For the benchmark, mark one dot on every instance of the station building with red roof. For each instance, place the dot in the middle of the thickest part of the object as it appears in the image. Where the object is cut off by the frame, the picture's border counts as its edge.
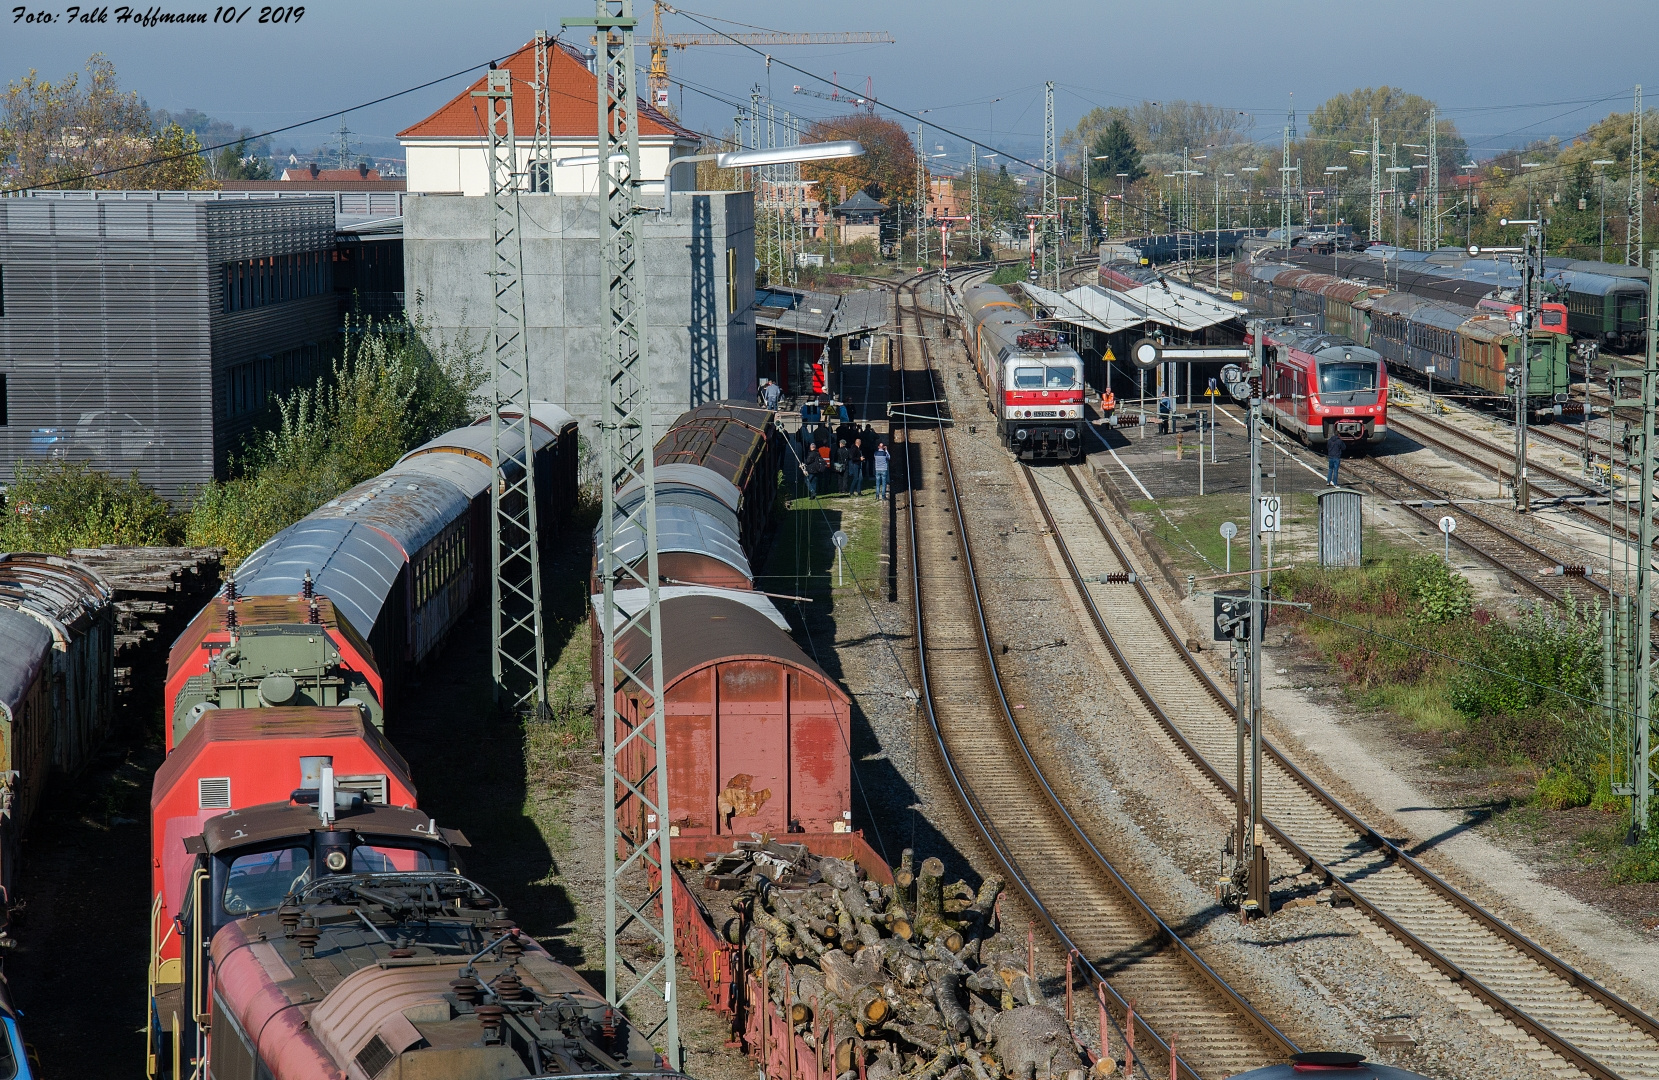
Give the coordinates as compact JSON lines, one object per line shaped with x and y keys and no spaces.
{"x":447,"y":151}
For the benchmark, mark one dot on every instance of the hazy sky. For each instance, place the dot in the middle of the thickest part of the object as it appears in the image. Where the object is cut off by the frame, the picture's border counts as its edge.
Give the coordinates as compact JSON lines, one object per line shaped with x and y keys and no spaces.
{"x":1503,"y":71}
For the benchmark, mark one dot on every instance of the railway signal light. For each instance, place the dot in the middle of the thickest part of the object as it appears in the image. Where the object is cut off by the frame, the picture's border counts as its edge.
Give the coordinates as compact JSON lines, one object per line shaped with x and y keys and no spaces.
{"x":1232,"y":615}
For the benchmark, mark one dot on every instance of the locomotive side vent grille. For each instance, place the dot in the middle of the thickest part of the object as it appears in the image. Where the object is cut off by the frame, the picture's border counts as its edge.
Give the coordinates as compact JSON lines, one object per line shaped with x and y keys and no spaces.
{"x":372,"y":786}
{"x":374,"y":1056}
{"x":213,"y":793}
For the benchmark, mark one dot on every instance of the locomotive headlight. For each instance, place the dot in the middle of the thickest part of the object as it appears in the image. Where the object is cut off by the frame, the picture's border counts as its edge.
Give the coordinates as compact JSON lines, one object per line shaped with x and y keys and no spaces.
{"x":1071,"y":433}
{"x":336,"y":860}
{"x":1022,"y":434}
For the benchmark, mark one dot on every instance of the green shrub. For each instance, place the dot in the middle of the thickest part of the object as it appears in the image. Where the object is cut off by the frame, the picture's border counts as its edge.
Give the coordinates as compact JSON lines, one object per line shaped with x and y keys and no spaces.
{"x":1561,"y":788}
{"x":57,"y":505}
{"x":389,"y":392}
{"x":1008,"y":274}
{"x":1442,"y":596}
{"x":1549,"y":655}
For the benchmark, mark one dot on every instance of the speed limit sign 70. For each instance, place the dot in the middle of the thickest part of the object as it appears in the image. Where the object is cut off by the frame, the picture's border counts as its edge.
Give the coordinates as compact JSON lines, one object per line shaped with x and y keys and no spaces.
{"x":1267,"y":514}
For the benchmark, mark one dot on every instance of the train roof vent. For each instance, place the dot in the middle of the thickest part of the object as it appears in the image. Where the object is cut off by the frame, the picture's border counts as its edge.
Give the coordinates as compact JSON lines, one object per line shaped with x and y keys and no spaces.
{"x":371,"y":786}
{"x":213,"y":792}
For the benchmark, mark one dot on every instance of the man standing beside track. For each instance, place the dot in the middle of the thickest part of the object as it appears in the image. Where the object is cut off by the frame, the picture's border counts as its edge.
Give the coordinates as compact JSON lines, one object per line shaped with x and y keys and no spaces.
{"x":1333,"y":457}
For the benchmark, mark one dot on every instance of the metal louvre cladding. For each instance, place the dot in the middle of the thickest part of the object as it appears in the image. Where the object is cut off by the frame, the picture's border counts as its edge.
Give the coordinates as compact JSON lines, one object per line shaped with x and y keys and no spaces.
{"x":115,"y":346}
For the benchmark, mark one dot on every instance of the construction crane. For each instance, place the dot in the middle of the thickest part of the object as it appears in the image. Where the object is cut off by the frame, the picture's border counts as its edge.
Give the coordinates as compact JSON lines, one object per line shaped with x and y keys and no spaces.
{"x":657,"y":76}
{"x":868,"y":101}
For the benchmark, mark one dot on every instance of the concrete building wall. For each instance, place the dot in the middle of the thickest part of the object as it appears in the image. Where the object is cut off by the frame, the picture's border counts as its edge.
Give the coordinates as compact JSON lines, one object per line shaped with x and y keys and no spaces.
{"x":698,"y":274}
{"x":114,"y":342}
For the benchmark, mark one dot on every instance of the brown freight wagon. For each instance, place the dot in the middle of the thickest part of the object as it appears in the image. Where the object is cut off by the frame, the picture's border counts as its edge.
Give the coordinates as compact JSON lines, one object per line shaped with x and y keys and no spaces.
{"x":758,"y":734}
{"x":740,"y":443}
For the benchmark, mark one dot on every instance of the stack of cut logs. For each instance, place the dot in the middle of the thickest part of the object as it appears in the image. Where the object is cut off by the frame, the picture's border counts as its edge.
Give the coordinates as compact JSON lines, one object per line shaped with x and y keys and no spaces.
{"x":158,"y":590}
{"x":909,"y":980}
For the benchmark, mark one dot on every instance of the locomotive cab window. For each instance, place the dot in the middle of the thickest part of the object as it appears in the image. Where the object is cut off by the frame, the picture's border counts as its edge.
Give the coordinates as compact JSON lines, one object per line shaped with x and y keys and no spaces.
{"x":1061,"y":378}
{"x":258,"y":882}
{"x":382,"y":859}
{"x":1347,"y":378}
{"x":1028,"y":378}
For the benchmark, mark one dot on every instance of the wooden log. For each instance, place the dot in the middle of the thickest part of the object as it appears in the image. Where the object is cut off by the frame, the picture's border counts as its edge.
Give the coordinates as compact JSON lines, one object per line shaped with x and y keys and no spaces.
{"x":1032,"y":1041}
{"x":929,"y":902}
{"x":898,"y":913}
{"x":923,"y":1037}
{"x":805,"y":939}
{"x":980,"y":1014}
{"x":872,"y":1006}
{"x":782,"y":940}
{"x":947,"y":993}
{"x":905,"y":876}
{"x":935,"y":1068}
{"x":978,"y":918}
{"x":909,"y":970}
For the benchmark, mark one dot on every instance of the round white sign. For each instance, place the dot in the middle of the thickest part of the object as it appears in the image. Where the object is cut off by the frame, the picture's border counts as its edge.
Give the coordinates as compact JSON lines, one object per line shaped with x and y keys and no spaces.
{"x":1448,"y":524}
{"x":1228,"y":530}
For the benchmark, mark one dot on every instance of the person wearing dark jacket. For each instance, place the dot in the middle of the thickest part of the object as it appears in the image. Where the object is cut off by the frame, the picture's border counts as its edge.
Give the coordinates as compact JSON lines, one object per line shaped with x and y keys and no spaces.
{"x":823,"y":436}
{"x":855,"y":468}
{"x":846,"y":433}
{"x":869,"y":437}
{"x":838,"y":461}
{"x":1333,"y":458}
{"x":813,"y":467}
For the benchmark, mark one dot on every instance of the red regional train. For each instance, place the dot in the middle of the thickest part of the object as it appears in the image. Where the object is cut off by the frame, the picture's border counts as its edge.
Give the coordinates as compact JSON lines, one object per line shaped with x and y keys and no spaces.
{"x":1319,"y":386}
{"x":1033,"y":378}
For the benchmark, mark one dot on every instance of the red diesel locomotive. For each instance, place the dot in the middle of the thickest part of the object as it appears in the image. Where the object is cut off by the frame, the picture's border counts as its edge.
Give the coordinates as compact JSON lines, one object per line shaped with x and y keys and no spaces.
{"x":1320,"y":385}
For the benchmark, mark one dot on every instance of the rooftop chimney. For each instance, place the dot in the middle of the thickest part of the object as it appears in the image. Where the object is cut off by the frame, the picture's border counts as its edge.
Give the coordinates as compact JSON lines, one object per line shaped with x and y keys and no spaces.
{"x":314,"y":170}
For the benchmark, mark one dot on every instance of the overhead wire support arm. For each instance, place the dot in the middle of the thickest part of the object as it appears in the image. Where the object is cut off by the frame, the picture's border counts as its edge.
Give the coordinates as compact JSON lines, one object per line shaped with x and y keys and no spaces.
{"x":518,"y":656}
{"x":639,"y":897}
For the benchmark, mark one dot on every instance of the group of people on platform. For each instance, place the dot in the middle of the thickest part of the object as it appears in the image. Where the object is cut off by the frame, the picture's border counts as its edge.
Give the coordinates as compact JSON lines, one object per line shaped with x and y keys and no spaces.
{"x":834,"y":454}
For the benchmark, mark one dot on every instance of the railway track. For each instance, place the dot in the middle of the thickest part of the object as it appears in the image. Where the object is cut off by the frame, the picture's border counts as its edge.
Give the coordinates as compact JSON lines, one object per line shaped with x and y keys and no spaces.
{"x":1088,"y":904}
{"x":1565,"y":1012}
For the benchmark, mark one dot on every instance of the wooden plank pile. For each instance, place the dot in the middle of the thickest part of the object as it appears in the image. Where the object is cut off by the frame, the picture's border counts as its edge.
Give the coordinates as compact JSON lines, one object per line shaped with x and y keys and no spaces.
{"x":909,"y":981}
{"x":158,"y":590}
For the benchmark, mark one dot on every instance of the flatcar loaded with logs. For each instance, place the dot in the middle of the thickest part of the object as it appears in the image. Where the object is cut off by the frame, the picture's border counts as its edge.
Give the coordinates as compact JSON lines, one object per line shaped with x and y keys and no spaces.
{"x":836,"y":963}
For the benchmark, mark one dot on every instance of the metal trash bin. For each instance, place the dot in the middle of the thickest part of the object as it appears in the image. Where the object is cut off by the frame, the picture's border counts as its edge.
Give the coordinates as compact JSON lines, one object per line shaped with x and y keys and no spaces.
{"x":1341,"y":527}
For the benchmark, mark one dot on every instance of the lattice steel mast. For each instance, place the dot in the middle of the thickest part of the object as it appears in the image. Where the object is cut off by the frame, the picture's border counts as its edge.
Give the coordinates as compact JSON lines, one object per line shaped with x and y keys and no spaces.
{"x":973,"y":200}
{"x":1634,"y":201}
{"x":1285,"y":171}
{"x":1374,"y":233}
{"x":541,"y":146}
{"x":1051,"y":195}
{"x":628,"y":440}
{"x":1434,"y":180}
{"x":921,"y":200}
{"x":518,"y":660}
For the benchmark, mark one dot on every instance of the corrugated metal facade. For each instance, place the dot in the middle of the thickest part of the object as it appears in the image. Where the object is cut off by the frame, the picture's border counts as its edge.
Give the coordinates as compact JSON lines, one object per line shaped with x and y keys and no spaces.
{"x":114,"y":342}
{"x":1341,"y":527}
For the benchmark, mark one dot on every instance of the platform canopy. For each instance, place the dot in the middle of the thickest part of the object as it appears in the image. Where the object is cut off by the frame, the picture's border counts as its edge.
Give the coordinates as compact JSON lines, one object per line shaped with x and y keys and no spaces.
{"x":819,"y":314}
{"x":1164,"y":303}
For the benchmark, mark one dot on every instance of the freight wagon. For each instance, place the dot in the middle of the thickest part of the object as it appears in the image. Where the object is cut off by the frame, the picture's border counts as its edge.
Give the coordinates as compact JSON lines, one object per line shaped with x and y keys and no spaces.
{"x":57,"y":633}
{"x":716,"y":476}
{"x":758,"y":734}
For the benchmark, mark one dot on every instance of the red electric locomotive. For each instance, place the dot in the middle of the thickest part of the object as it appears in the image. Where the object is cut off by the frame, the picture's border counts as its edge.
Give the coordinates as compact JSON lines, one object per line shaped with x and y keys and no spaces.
{"x":1321,"y":385}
